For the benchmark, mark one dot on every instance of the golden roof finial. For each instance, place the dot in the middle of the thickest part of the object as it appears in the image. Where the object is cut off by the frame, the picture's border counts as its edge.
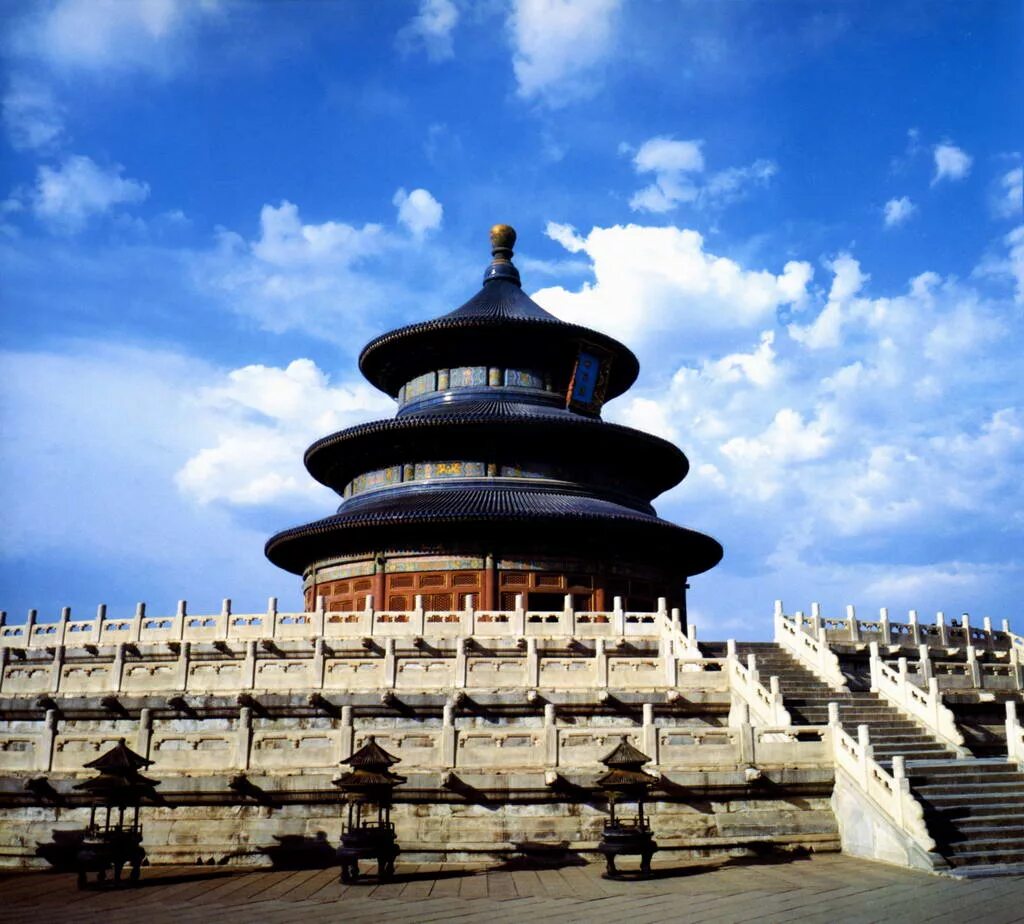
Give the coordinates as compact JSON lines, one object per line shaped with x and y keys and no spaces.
{"x":503,"y":239}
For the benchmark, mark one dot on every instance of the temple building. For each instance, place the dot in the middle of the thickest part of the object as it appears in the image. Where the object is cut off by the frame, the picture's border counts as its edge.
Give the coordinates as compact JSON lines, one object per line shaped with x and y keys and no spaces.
{"x":497,"y":606}
{"x":497,"y":477}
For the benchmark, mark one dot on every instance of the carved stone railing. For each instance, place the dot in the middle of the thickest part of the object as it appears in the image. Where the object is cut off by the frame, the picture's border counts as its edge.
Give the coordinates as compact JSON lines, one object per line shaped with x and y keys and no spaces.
{"x":925,"y":706}
{"x":188,"y":747}
{"x":764,"y":705}
{"x":227,"y":626}
{"x":913,"y":632}
{"x":810,"y":649}
{"x":888,"y":792}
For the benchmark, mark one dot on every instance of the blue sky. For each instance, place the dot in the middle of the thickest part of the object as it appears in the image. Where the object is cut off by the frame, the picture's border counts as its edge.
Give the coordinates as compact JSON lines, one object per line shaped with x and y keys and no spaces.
{"x":804,"y":217}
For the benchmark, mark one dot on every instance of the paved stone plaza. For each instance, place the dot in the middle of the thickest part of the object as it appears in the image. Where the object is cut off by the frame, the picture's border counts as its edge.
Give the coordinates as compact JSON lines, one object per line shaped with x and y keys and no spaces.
{"x":825,"y":888}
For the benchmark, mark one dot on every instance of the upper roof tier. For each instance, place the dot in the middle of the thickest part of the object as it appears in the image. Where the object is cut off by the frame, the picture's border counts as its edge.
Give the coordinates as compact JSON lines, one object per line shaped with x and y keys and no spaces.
{"x":499,"y":326}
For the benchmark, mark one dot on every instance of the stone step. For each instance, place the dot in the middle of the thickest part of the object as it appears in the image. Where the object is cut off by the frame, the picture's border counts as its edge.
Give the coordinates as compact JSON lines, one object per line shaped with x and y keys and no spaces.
{"x":987,"y":857}
{"x":954,"y":800}
{"x":987,"y":844}
{"x":969,"y":812}
{"x":986,"y":825}
{"x":965,"y":778}
{"x":967,"y":790}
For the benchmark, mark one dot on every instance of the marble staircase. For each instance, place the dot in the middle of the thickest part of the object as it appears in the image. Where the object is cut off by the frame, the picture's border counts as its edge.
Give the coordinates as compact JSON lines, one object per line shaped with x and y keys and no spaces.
{"x":974,"y":807}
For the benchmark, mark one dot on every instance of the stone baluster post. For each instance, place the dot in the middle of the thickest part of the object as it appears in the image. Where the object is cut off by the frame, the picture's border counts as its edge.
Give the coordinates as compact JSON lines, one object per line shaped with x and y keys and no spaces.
{"x":469,"y":616}
{"x":144,"y":737}
{"x":181,"y":617}
{"x":867,"y":753}
{"x":271,"y":626}
{"x":391,"y":663}
{"x":44,"y":759}
{"x":600,"y":664}
{"x":318,"y":663}
{"x":30,"y":626}
{"x":550,"y":736}
{"x":852,"y":626}
{"x":140,"y":614}
{"x":568,"y":615}
{"x":117,"y":670}
{"x":941,"y":630}
{"x":649,"y":733}
{"x":461,"y":661}
{"x":347,"y":734}
{"x":62,"y":625}
{"x":915,"y":628}
{"x":519,"y":617}
{"x":184,"y":654}
{"x":225,"y":626}
{"x":903,"y":669}
{"x":56,"y":668}
{"x":532,"y":663}
{"x":884,"y":630}
{"x":96,"y":638}
{"x":1016,"y":668}
{"x":875,"y":663}
{"x":924,"y":664}
{"x":755,"y":674}
{"x":973,"y":667}
{"x":986,"y":625}
{"x":5,"y":657}
{"x":815,"y":619}
{"x":618,"y":617}
{"x":899,"y":775}
{"x":776,"y":690}
{"x":244,"y":739}
{"x":739,"y":718}
{"x":833,"y":715}
{"x":448,"y":743}
{"x":248,"y":681}
{"x":1012,"y":730}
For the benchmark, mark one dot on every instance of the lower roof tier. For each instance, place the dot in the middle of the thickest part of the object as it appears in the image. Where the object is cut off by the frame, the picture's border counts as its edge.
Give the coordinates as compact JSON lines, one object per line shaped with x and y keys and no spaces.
{"x":501,"y":520}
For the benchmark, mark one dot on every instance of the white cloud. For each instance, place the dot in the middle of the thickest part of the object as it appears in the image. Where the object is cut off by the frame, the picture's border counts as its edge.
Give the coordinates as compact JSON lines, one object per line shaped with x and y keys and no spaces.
{"x":676,"y":166}
{"x":649,"y":280}
{"x":32,"y":116}
{"x":333,"y":280}
{"x":419,"y":211}
{"x":558,"y":46}
{"x":285,"y":241}
{"x":1009,"y":202}
{"x":897,"y":211}
{"x":431,"y":27}
{"x":263,"y":418}
{"x":102,"y":35}
{"x":951,"y":162}
{"x":824,"y":332}
{"x":68,"y":196}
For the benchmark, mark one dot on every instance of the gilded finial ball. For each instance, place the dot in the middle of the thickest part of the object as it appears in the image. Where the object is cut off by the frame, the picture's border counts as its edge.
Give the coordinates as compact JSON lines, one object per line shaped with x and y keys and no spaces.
{"x":503,"y":237}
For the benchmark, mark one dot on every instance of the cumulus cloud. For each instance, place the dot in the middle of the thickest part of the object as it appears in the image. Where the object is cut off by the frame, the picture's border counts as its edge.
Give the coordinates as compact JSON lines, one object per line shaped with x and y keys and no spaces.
{"x":263,"y":418}
{"x":431,"y":28}
{"x":677,"y":166}
{"x":110,"y":35}
{"x":419,"y":211}
{"x":648,"y":280}
{"x":32,"y":116}
{"x":897,"y":211}
{"x":951,"y":162}
{"x":559,"y":45}
{"x":1009,"y":199}
{"x":69,"y":195}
